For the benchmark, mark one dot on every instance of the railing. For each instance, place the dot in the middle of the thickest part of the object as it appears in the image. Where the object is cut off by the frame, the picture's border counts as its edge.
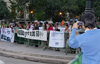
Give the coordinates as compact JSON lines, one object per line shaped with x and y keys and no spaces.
{"x":31,"y":42}
{"x":77,"y":60}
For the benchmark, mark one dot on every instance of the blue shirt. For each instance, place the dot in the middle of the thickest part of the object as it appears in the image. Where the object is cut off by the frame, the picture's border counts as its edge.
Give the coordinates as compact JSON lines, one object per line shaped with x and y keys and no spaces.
{"x":89,"y":42}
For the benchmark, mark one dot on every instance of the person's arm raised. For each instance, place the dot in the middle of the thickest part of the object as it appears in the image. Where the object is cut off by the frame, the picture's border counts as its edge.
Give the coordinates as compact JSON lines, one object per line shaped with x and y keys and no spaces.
{"x":72,"y":39}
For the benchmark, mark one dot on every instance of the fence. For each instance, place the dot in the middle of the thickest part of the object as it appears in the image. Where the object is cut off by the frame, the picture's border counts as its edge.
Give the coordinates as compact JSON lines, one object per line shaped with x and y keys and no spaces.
{"x":31,"y":42}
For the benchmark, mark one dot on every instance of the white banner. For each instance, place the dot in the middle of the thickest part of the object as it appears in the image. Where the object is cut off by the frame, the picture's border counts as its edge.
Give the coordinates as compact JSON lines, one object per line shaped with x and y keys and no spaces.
{"x":56,"y":39}
{"x":36,"y":34}
{"x":7,"y":34}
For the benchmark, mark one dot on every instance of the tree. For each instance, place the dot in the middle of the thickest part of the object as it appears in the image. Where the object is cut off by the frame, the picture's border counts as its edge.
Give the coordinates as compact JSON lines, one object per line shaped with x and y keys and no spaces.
{"x":38,"y":7}
{"x":47,"y":9}
{"x":97,"y":9}
{"x":52,"y":9}
{"x":4,"y":11}
{"x":17,"y":8}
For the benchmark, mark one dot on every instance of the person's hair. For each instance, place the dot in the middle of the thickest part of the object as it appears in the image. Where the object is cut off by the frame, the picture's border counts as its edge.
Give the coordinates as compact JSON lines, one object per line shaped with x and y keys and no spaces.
{"x":36,"y":25}
{"x":89,"y":20}
{"x":45,"y":26}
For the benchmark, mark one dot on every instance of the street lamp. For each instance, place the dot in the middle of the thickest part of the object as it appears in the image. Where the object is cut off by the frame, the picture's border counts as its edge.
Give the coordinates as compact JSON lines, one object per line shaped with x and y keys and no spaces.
{"x":31,"y":11}
{"x":89,"y":6}
{"x":60,"y":13}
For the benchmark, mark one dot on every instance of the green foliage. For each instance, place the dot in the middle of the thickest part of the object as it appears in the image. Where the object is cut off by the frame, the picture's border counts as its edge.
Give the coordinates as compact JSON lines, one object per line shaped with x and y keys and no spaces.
{"x":17,"y":7}
{"x":97,"y":8}
{"x":51,"y":8}
{"x":47,"y":9}
{"x":4,"y":11}
{"x":38,"y":7}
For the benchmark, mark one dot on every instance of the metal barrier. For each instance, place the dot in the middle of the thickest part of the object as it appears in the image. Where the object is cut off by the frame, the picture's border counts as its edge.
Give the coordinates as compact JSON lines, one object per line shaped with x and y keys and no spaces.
{"x":77,"y":60}
{"x":19,"y":39}
{"x":30,"y":42}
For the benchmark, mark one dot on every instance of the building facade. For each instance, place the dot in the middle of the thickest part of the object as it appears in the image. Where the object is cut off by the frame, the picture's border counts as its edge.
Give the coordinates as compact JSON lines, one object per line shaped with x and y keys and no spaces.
{"x":8,"y":4}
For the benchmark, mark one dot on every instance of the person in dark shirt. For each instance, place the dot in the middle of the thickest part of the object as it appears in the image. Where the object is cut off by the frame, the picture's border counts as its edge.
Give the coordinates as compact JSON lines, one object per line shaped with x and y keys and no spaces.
{"x":45,"y":26}
{"x":36,"y":26}
{"x":56,"y":29}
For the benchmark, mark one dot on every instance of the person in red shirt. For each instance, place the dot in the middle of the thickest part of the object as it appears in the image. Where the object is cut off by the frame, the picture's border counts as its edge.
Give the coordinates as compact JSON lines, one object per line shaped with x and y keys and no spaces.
{"x":66,"y":27}
{"x":50,"y":27}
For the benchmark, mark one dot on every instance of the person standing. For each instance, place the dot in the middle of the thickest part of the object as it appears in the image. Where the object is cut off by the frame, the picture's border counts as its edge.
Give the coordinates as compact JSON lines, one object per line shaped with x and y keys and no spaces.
{"x":36,"y":27}
{"x":50,"y":28}
{"x":66,"y":27}
{"x":89,"y":42}
{"x":56,"y":29}
{"x":45,"y":26}
{"x":31,"y":26}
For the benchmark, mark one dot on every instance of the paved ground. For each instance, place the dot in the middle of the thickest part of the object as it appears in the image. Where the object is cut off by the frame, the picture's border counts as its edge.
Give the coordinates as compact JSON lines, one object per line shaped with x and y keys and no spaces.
{"x":33,"y":50}
{"x":31,"y":53}
{"x":7,"y":60}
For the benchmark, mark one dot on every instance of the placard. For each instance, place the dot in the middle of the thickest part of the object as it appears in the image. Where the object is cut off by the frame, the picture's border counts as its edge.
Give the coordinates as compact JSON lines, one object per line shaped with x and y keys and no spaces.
{"x":56,"y":39}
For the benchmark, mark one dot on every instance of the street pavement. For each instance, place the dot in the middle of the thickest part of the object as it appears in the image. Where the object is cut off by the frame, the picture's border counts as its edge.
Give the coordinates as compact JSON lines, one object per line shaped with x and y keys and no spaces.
{"x":31,"y":53}
{"x":33,"y":50}
{"x":7,"y":60}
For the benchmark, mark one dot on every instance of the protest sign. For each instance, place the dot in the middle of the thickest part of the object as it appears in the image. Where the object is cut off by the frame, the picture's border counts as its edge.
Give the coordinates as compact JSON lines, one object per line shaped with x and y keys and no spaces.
{"x":36,"y":34}
{"x":56,"y":39}
{"x":7,"y":34}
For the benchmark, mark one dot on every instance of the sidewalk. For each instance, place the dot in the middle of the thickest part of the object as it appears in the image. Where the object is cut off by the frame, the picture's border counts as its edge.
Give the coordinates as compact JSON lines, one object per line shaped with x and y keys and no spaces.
{"x":32,"y":52}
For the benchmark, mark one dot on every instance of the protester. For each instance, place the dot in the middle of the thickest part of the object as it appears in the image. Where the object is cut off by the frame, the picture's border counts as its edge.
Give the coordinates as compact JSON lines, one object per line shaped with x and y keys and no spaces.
{"x":28,"y":27}
{"x":88,"y":41}
{"x":36,"y":26}
{"x":56,"y":29}
{"x":8,"y":26}
{"x":16,"y":27}
{"x":50,"y":27}
{"x":45,"y":26}
{"x":45,"y":29}
{"x":20,"y":26}
{"x":66,"y":27}
{"x":31,"y":26}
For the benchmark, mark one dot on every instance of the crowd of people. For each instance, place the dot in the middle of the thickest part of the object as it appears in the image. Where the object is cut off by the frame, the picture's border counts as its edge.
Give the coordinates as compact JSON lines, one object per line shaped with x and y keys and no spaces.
{"x":46,"y":26}
{"x":35,"y":26}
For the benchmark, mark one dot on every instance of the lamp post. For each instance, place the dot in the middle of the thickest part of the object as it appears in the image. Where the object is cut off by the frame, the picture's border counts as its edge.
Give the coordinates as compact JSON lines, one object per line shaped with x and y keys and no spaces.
{"x":31,"y":14}
{"x":60,"y":13}
{"x":89,"y":6}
